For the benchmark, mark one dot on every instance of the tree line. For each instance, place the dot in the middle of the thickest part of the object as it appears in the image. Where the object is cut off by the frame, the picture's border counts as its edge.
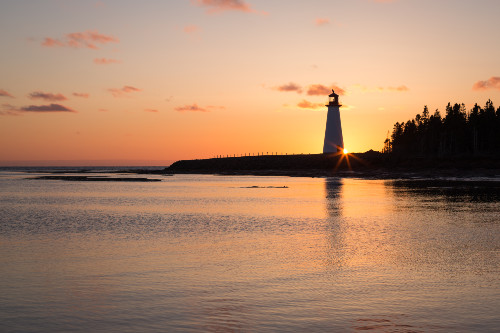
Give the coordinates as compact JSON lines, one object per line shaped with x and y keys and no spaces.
{"x":459,"y":132}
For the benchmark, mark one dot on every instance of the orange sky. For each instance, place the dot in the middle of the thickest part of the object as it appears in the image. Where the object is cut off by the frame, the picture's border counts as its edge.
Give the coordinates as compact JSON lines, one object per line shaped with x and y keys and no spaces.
{"x":151,"y":82}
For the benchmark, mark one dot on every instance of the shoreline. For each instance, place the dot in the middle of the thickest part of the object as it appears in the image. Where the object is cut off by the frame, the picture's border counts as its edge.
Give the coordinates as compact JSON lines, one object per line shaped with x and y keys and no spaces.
{"x":372,"y":174}
{"x":369,"y":165}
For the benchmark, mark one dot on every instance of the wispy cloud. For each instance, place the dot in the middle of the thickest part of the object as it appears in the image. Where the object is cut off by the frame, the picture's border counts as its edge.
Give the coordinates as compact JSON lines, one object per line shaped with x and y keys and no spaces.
{"x":311,"y":90}
{"x":12,"y":110}
{"x":309,"y":105}
{"x":106,"y":61}
{"x":217,"y":6}
{"x":119,"y":92}
{"x":401,"y":88}
{"x":87,"y":39}
{"x":82,"y":95}
{"x":492,"y":83}
{"x":289,"y":87}
{"x":50,"y":97}
{"x":8,"y":110}
{"x":51,"y":42}
{"x":99,"y":4}
{"x":3,"y":93}
{"x":217,"y":107}
{"x":46,"y":108}
{"x":321,"y":90}
{"x":192,"y":29}
{"x":150,"y":110}
{"x":191,"y":108}
{"x":321,"y":21}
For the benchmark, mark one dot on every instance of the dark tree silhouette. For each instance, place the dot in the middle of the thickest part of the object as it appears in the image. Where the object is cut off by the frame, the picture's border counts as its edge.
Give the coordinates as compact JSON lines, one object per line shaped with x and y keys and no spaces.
{"x":459,"y":132}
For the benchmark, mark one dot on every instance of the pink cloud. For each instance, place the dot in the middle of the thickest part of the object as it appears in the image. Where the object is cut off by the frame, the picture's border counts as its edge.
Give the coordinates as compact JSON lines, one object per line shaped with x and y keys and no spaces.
{"x":318,"y":89}
{"x":308,"y":105}
{"x":51,"y":42}
{"x":191,"y":29}
{"x":12,"y":110}
{"x":87,"y":39}
{"x":105,"y":61}
{"x":289,"y":87}
{"x":150,"y":110}
{"x":118,"y":92}
{"x":82,"y":95}
{"x":3,"y":93}
{"x":217,"y":6}
{"x":47,"y":96}
{"x":46,"y":108}
{"x":492,"y":83}
{"x":321,"y":90}
{"x":322,"y":21}
{"x":190,"y":108}
{"x":338,"y":90}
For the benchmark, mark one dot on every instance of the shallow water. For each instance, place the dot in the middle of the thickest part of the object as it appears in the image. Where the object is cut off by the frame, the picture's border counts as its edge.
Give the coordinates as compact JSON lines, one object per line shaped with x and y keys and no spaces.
{"x":239,"y":253}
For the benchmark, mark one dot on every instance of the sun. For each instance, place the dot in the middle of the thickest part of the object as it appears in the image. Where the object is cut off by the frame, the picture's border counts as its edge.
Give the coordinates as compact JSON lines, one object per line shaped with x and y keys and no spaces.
{"x":345,"y":151}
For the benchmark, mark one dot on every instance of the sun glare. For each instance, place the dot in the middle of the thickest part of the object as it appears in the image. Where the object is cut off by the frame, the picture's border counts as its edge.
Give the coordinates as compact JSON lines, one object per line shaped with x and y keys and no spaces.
{"x":346,"y":151}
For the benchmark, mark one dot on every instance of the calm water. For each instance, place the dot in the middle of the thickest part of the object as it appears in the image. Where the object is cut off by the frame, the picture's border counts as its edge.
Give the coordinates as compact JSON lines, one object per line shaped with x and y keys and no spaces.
{"x":216,"y":254}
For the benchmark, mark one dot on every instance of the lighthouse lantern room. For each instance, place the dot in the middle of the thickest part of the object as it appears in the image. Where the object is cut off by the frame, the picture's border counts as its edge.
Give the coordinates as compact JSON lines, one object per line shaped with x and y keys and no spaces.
{"x":333,"y":99}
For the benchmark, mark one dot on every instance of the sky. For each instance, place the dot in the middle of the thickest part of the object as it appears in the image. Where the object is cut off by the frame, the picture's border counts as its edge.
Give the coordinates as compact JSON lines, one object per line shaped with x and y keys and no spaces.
{"x":151,"y":82}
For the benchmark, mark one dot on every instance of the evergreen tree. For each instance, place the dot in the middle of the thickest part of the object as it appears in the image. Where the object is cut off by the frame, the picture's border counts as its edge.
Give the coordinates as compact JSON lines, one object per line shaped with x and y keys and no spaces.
{"x":458,"y":133}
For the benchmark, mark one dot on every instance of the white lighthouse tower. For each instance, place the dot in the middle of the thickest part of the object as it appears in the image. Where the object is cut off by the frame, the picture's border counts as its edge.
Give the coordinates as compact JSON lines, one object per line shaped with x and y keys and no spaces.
{"x":333,"y":133}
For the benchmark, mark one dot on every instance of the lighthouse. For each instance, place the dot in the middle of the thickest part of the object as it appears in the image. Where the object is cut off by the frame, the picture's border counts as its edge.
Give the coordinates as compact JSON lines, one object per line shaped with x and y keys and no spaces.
{"x":333,"y":133}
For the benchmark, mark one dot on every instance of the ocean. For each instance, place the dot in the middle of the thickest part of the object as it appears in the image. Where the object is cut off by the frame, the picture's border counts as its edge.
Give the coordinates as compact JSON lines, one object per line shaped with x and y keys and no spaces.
{"x":207,"y":253}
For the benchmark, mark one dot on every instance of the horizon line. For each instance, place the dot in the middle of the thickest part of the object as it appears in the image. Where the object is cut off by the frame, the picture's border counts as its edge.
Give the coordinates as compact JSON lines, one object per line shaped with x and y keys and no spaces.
{"x":84,"y":163}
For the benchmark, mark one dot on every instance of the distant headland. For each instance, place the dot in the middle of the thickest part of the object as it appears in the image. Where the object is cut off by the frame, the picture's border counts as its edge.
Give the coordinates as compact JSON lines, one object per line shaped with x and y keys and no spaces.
{"x":370,"y":164}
